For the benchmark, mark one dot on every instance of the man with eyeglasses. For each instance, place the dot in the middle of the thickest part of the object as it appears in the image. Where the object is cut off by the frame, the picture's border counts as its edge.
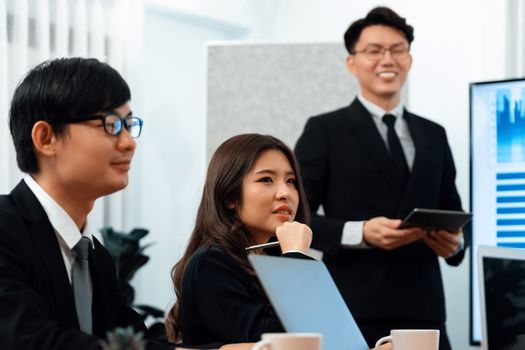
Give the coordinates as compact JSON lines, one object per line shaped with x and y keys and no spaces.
{"x":74,"y":135}
{"x":368,"y":165}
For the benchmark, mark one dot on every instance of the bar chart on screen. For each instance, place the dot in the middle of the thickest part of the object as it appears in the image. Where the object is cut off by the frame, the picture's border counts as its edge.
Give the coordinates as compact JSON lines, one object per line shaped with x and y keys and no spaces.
{"x":497,"y":121}
{"x":510,"y":185}
{"x":510,"y":124}
{"x":510,"y":209}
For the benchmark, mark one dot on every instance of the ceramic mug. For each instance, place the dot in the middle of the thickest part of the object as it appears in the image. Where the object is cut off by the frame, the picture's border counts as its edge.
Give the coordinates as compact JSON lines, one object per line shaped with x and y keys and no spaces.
{"x":289,"y":341}
{"x":412,"y":339}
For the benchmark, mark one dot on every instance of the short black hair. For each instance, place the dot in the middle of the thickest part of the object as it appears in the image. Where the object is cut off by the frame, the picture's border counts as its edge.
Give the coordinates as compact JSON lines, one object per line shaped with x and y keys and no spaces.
{"x":63,"y":88}
{"x":377,"y":16}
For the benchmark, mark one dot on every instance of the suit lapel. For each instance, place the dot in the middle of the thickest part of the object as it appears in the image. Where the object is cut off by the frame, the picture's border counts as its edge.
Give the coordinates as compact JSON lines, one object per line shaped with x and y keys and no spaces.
{"x":366,"y":130}
{"x":44,"y":238}
{"x":103,"y":319}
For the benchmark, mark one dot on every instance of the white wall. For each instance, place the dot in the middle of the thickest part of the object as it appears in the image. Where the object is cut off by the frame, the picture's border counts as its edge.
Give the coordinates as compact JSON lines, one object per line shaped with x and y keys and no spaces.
{"x":456,"y":42}
{"x":169,"y":171}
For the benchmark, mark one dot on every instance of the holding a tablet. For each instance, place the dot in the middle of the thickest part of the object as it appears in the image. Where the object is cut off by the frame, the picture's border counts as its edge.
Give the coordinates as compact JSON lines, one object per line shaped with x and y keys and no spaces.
{"x":368,"y":165}
{"x":435,"y":219}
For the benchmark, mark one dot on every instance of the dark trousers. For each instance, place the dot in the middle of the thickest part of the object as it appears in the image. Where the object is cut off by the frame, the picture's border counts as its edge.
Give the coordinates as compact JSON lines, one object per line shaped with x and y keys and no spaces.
{"x":374,"y":329}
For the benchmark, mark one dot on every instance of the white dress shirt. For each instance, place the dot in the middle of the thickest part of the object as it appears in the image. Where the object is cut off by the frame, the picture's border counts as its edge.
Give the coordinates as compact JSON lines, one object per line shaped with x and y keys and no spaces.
{"x":66,"y":230}
{"x":353,"y":230}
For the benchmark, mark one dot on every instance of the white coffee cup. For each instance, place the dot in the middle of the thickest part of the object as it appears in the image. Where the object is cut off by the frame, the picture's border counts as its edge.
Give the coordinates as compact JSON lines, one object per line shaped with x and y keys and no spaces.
{"x":412,"y":339}
{"x":290,"y":341}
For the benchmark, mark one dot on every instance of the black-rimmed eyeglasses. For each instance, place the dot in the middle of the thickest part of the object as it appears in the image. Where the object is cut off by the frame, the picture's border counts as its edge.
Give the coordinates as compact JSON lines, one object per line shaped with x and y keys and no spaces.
{"x":112,"y":123}
{"x":375,"y":52}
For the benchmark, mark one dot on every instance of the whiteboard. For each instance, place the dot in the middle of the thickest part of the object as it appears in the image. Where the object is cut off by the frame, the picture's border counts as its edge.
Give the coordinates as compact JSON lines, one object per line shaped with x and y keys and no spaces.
{"x":273,"y":88}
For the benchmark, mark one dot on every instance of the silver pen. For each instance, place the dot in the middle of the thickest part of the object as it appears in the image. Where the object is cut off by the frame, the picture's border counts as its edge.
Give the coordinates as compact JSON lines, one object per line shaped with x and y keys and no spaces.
{"x":263,"y":246}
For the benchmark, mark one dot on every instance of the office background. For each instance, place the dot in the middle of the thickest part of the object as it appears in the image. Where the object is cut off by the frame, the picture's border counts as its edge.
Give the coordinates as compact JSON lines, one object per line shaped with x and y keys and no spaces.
{"x":272,"y":88}
{"x":160,"y":47}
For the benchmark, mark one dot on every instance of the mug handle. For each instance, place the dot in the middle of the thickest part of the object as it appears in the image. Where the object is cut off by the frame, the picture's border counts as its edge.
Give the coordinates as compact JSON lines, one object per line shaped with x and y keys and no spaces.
{"x":382,"y":341}
{"x":263,"y":344}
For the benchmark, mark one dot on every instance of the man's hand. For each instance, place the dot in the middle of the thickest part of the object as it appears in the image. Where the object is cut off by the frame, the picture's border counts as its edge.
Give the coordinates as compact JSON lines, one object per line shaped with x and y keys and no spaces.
{"x":384,"y":233}
{"x":443,"y":243}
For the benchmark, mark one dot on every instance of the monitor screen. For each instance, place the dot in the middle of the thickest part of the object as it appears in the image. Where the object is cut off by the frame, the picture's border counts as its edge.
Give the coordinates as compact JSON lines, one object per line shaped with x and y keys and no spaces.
{"x":497,"y":130}
{"x":502,"y":286}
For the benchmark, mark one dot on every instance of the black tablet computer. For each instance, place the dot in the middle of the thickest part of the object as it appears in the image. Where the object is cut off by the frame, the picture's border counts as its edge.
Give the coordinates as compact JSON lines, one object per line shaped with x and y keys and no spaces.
{"x":448,"y":220}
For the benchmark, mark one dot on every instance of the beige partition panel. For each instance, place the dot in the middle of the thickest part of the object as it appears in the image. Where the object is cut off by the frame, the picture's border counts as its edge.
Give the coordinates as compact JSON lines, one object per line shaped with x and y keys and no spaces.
{"x":273,"y":88}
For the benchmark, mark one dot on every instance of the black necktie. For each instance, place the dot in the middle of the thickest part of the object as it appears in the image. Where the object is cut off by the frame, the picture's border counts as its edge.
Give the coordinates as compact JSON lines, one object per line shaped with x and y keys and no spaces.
{"x":396,"y":151}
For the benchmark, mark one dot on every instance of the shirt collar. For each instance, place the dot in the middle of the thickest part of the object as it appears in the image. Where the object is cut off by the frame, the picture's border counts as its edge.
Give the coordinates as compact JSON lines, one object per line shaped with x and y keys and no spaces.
{"x":64,"y":226}
{"x":379,"y":112}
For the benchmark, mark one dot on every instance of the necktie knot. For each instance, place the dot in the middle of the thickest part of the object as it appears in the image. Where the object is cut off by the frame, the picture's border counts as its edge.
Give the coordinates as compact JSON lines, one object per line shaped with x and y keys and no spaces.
{"x":82,"y":248}
{"x":389,"y":120}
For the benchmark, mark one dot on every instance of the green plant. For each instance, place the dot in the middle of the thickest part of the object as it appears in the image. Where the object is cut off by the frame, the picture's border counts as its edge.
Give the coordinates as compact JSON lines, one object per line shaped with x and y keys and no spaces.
{"x":123,"y":339}
{"x":128,"y":256}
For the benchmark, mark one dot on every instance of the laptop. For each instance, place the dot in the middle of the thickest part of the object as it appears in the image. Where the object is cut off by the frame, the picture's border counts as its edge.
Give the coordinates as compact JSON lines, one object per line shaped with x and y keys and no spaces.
{"x":306,"y":299}
{"x":502,"y":298}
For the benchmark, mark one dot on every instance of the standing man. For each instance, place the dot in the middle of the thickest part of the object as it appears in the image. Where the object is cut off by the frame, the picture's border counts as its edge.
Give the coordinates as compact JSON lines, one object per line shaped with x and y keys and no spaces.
{"x":368,"y":165}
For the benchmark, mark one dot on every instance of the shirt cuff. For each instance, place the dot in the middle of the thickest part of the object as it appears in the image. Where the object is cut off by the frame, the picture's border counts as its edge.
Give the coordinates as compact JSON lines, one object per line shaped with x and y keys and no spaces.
{"x":353,"y":235}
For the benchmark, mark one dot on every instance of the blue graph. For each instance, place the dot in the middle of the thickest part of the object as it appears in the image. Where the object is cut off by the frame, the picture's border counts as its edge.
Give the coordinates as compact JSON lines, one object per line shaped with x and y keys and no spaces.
{"x":510,"y":209}
{"x":510,"y":126}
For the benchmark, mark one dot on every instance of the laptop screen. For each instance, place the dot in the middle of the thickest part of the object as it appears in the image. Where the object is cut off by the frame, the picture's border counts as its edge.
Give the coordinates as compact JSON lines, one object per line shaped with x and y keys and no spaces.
{"x":306,"y":299}
{"x":503,"y":298}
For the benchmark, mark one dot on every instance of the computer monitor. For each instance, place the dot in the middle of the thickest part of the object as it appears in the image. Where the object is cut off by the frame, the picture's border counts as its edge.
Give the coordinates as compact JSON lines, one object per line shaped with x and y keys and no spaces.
{"x":502,"y":297}
{"x":497,"y":147}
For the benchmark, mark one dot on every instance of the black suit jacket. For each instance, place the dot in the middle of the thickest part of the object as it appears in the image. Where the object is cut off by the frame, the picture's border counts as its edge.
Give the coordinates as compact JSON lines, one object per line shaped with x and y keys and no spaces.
{"x":346,"y":168}
{"x":220,"y":303}
{"x":37,"y":307}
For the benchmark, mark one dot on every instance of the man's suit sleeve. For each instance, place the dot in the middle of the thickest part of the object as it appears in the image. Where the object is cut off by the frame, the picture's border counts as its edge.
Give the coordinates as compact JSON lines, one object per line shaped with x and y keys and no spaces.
{"x":313,"y":153}
{"x":125,"y":314}
{"x":24,"y":321}
{"x":449,"y":199}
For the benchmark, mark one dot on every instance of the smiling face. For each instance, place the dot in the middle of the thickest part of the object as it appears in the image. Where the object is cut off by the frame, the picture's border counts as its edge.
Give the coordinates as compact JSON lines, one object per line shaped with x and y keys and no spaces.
{"x":380,"y":80}
{"x":269,"y":195}
{"x":90,"y":162}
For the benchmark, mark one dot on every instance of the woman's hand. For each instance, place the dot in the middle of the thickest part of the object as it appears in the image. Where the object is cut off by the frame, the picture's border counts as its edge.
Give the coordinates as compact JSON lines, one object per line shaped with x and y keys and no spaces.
{"x":294,"y":236}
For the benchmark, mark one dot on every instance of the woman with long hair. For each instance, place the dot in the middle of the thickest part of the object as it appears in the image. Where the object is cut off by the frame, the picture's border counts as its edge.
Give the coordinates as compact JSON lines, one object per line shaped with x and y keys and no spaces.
{"x":252,"y":193}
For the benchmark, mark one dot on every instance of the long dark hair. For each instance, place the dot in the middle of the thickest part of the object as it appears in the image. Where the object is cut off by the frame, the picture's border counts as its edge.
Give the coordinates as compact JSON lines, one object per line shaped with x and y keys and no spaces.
{"x":215,"y":223}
